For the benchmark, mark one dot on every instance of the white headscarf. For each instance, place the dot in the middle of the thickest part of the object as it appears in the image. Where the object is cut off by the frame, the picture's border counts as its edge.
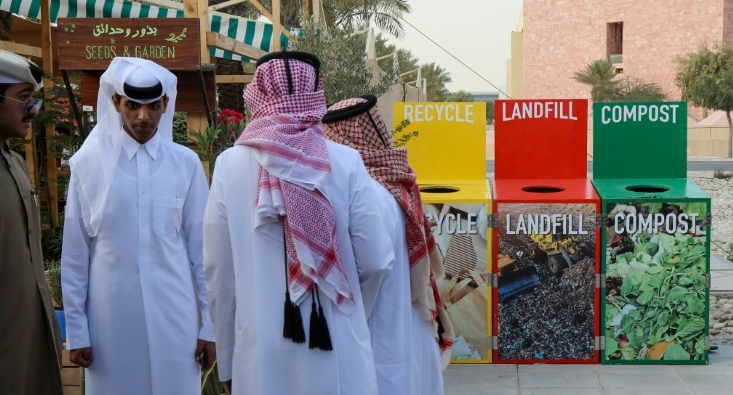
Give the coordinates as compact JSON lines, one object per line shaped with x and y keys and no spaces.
{"x":94,"y":164}
{"x":15,"y":69}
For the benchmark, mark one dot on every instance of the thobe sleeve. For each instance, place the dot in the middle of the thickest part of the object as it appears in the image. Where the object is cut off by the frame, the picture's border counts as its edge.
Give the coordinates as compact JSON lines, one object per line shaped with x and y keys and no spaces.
{"x":220,"y":281}
{"x":193,"y":229}
{"x":75,"y":271}
{"x":373,"y":249}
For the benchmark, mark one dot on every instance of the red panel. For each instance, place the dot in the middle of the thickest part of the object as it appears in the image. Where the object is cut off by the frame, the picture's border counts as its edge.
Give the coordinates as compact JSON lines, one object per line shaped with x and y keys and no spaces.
{"x":541,"y":139}
{"x":571,"y":190}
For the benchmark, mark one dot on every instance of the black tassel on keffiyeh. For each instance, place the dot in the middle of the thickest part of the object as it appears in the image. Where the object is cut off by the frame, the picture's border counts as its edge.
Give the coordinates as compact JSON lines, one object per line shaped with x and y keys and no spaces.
{"x":320,"y":337}
{"x":292,"y":321}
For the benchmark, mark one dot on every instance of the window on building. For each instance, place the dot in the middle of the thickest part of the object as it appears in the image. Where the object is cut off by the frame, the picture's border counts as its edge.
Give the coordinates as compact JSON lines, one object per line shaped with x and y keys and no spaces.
{"x":615,"y":42}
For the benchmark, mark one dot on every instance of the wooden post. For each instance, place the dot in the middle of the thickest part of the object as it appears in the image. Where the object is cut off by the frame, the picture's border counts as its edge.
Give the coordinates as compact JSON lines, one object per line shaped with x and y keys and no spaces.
{"x":275,"y":25}
{"x":47,"y":49}
{"x":308,"y":7}
{"x":199,"y":9}
{"x":30,"y":156}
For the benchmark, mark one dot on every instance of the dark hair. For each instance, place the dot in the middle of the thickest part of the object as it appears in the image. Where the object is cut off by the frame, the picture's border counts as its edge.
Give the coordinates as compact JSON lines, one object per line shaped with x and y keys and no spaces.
{"x":3,"y":89}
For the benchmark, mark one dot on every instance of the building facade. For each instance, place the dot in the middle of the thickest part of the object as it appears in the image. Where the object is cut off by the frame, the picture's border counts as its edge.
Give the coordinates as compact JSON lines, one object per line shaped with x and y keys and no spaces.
{"x":643,"y":39}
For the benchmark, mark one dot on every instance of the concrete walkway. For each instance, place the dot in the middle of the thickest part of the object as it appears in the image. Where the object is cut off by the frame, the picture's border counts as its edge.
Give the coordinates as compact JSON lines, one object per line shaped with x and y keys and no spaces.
{"x":713,"y":379}
{"x":721,"y":275}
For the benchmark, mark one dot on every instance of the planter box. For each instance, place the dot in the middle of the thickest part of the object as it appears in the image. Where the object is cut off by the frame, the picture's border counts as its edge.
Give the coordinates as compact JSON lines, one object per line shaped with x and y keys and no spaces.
{"x":70,"y":376}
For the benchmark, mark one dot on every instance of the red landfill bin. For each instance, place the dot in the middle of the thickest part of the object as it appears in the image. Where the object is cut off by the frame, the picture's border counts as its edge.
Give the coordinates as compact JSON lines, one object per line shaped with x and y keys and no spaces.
{"x":546,"y":241}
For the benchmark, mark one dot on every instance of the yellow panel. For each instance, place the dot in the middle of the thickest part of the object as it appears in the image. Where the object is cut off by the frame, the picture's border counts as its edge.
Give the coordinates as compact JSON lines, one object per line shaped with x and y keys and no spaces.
{"x":450,"y":143}
{"x":461,"y":232}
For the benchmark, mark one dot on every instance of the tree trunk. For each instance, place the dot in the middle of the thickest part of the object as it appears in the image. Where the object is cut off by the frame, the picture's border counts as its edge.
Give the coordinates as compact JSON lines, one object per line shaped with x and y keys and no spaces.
{"x":730,"y":135}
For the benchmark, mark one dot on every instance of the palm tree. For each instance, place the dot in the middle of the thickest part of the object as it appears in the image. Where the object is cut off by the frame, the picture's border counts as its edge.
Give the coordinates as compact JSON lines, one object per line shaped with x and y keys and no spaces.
{"x":596,"y":73}
{"x":387,"y":15}
{"x":437,"y":79}
{"x":599,"y":75}
{"x":347,"y":14}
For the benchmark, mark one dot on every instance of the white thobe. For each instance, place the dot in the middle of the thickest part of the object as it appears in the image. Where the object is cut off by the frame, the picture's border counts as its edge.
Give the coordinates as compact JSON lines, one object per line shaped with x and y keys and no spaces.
{"x":406,"y":354}
{"x":245,"y":273}
{"x":134,"y":291}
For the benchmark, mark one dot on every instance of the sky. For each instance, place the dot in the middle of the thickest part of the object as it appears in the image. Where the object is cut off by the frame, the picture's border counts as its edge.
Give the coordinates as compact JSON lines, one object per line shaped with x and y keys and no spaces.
{"x":478,"y":32}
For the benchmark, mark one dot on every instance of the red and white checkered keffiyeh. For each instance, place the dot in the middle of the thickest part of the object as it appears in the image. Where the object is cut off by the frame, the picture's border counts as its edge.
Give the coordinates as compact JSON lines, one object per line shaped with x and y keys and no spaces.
{"x":286,"y":129}
{"x":390,"y":168}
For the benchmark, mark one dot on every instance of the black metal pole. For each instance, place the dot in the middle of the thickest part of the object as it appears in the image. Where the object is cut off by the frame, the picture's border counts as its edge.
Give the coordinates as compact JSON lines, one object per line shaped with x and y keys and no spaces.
{"x":79,"y":119}
{"x":209,"y":117}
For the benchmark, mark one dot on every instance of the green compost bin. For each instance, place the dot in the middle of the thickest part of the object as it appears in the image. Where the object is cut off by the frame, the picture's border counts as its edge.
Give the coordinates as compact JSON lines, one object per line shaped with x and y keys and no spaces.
{"x":655,"y":261}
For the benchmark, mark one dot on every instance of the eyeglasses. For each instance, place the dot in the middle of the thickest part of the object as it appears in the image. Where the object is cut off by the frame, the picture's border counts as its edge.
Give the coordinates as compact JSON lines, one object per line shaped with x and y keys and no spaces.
{"x":30,"y":104}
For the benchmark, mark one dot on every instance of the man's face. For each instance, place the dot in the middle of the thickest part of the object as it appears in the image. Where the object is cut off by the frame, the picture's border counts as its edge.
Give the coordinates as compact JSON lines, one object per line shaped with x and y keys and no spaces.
{"x":140,"y":121}
{"x":14,"y":122}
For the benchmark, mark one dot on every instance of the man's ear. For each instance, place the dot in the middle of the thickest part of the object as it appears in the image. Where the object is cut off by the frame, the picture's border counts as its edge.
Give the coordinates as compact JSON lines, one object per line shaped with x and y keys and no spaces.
{"x":116,"y":103}
{"x":165,"y":102}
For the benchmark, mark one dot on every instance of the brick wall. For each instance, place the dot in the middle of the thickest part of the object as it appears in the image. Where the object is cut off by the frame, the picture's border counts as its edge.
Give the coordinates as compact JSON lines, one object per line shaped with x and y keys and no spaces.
{"x":563,"y":36}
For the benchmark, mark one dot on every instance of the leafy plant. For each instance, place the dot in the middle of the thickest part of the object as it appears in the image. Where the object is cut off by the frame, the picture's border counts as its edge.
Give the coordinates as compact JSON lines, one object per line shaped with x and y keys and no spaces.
{"x":180,"y":127}
{"x":400,"y":136}
{"x":217,"y":137}
{"x":344,"y":71}
{"x":659,"y":309}
{"x":53,"y":276}
{"x":723,"y":175}
{"x":705,"y":79}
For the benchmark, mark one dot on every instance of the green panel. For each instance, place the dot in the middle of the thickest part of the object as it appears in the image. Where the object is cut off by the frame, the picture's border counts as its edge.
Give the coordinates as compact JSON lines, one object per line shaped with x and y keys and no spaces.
{"x":666,"y":189}
{"x":655,"y":301}
{"x":640,"y":140}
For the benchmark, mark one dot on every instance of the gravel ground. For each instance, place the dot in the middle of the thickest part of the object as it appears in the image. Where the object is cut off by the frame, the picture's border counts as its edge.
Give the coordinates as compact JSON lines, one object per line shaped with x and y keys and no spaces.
{"x":721,"y":305}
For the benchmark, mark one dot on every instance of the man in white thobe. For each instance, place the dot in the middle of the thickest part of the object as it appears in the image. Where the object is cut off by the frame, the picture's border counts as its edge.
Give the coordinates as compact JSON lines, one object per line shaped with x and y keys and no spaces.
{"x":132,"y":258}
{"x":409,"y":326}
{"x":283,"y":187}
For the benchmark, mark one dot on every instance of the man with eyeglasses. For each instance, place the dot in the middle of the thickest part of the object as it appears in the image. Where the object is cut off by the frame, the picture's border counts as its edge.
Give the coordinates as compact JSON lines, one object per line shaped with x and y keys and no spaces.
{"x":30,"y":344}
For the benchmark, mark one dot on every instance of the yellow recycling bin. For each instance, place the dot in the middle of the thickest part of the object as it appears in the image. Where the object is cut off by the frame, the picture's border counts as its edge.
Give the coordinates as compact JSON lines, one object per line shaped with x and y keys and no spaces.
{"x":446,"y":145}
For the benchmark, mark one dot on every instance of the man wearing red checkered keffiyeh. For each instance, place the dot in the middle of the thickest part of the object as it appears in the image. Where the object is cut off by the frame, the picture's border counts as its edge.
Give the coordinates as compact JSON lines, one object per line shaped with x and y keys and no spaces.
{"x":357,"y":123}
{"x":288,"y":207}
{"x":287,"y":103}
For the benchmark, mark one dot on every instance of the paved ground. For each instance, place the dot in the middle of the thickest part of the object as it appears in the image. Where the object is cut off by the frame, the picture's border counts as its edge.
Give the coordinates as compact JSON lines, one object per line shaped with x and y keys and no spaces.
{"x":713,"y":379}
{"x":721,"y":275}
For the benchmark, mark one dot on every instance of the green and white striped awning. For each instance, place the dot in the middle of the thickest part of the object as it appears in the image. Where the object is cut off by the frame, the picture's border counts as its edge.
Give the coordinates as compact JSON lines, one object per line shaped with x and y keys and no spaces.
{"x":254,"y":33}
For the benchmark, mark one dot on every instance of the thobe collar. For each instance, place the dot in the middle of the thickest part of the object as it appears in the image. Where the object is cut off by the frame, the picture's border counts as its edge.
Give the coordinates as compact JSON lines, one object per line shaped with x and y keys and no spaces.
{"x":131,"y":146}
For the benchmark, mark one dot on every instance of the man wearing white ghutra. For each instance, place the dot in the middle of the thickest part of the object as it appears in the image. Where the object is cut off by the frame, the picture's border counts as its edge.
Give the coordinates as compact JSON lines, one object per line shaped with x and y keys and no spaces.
{"x":132,"y":262}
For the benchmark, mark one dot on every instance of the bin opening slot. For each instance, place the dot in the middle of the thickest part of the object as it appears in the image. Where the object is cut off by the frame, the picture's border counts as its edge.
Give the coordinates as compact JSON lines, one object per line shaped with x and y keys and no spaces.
{"x":439,"y":189}
{"x":647,"y":188}
{"x":542,"y":189}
